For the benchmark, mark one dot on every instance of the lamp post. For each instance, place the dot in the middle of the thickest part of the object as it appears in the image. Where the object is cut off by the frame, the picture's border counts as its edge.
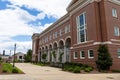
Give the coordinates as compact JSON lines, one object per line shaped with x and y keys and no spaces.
{"x":14,"y":55}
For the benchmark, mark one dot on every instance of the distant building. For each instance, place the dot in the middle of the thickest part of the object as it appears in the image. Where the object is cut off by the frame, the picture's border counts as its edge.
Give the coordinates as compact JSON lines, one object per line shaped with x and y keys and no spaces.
{"x":5,"y":58}
{"x":18,"y":57}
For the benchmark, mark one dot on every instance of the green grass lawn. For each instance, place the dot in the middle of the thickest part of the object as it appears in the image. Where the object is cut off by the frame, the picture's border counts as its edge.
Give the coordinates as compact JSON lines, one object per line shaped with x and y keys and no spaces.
{"x":8,"y":68}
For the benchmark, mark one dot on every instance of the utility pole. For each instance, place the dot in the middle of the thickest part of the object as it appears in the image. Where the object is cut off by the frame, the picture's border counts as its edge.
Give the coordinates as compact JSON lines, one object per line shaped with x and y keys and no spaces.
{"x":10,"y":57}
{"x":14,"y":55}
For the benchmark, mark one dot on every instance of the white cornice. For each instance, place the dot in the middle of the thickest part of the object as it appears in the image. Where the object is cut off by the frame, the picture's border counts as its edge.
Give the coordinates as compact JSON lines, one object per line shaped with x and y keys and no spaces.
{"x":98,"y":43}
{"x":79,"y":4}
{"x":75,"y":4}
{"x":115,"y":1}
{"x":115,"y":40}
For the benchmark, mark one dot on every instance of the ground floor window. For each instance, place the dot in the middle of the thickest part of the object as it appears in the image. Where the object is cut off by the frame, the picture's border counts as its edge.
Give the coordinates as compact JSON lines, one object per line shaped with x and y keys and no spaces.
{"x":118,"y":52}
{"x":82,"y":55}
{"x":75,"y":55}
{"x":90,"y":54}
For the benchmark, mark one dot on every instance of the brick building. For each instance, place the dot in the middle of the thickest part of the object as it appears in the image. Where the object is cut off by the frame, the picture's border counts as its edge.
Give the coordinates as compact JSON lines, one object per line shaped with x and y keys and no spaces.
{"x":78,"y":34}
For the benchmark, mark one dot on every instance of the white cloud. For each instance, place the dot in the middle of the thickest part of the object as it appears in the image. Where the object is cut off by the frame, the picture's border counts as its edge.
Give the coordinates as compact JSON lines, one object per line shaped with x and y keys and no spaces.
{"x":14,"y":21}
{"x":55,"y":8}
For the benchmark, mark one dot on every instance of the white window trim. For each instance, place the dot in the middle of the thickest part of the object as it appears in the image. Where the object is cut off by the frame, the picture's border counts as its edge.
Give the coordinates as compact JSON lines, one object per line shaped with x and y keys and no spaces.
{"x":117,"y":53}
{"x":81,"y":55}
{"x":114,"y":12}
{"x":78,"y":30}
{"x":89,"y":54}
{"x":118,"y":30}
{"x":74,"y":55}
{"x":60,"y":32}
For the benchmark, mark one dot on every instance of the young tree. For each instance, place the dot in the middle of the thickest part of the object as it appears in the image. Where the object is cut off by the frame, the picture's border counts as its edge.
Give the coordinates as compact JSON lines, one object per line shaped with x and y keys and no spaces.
{"x":104,"y":60}
{"x":61,"y":56}
{"x":44,"y":56}
{"x":28,"y":56}
{"x":54,"y":55}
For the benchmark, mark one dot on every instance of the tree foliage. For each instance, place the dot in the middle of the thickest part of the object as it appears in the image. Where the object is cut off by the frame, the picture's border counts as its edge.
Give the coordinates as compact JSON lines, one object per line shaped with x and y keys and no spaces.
{"x":61,"y":56}
{"x":44,"y":56}
{"x":28,"y":56}
{"x":104,"y":60}
{"x":54,"y":55}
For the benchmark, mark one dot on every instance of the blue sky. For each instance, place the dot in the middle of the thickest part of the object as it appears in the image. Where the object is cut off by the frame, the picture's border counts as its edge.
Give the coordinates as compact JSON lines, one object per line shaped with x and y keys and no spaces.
{"x":19,"y":19}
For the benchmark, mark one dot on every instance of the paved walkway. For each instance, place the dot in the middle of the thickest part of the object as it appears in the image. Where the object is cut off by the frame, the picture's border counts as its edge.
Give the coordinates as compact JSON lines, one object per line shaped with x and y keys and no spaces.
{"x":50,"y":73}
{"x":34,"y":72}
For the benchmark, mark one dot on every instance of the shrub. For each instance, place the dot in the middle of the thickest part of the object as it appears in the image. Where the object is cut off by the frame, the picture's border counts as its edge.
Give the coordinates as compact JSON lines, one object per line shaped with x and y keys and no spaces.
{"x":70,"y":69}
{"x":14,"y":70}
{"x":116,"y":71}
{"x":4,"y":71}
{"x":76,"y":69}
{"x":88,"y":69}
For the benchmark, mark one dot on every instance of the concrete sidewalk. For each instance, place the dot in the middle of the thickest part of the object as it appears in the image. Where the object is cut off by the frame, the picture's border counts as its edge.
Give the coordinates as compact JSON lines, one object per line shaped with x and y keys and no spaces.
{"x":50,"y":73}
{"x":15,"y":77}
{"x":34,"y":72}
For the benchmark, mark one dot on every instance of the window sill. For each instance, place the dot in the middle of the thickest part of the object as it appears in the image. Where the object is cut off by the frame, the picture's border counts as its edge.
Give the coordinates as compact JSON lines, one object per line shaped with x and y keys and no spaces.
{"x":119,"y":57}
{"x":84,"y":42}
{"x":82,"y":58}
{"x":90,"y":57}
{"x":75,"y":58}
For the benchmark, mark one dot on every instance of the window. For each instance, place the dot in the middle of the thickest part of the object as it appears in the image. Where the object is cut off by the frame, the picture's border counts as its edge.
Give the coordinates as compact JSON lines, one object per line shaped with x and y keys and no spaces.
{"x":75,"y":55}
{"x":55,"y":35}
{"x":114,"y":12}
{"x":81,"y":28}
{"x":60,"y":32}
{"x":116,"y":31}
{"x":50,"y":37}
{"x":90,"y":54}
{"x":47,"y":39}
{"x":82,"y":55}
{"x":67,"y":29}
{"x":118,"y":52}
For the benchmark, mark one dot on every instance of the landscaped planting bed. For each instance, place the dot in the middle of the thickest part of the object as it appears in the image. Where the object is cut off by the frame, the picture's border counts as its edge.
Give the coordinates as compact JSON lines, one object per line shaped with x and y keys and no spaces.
{"x":7,"y":68}
{"x":77,"y":67}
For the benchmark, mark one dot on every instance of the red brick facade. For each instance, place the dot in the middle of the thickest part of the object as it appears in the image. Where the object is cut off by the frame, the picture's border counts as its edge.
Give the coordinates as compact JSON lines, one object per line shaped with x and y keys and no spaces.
{"x":62,"y":36}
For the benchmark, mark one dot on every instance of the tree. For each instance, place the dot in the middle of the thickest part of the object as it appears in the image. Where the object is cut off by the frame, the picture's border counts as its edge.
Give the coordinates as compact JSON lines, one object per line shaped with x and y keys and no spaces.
{"x":44,"y":56}
{"x":104,"y":60}
{"x":28,"y":56}
{"x":61,"y":56}
{"x":54,"y":55}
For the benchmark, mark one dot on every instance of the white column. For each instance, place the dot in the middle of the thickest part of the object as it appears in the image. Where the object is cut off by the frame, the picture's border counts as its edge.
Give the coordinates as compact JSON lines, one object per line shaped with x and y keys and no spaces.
{"x":38,"y":56}
{"x":58,"y":52}
{"x":48,"y":56}
{"x":64,"y":58}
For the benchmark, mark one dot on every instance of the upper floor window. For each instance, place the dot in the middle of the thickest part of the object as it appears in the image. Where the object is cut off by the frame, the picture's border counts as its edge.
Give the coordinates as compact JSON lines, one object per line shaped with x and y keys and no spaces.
{"x":82,"y":54}
{"x":55,"y":34}
{"x":116,"y":31}
{"x":75,"y":55}
{"x":81,"y":28}
{"x":47,"y":39}
{"x":67,"y":29}
{"x":50,"y":37}
{"x":118,"y":52}
{"x":90,"y":54}
{"x":114,"y":12}
{"x":60,"y":32}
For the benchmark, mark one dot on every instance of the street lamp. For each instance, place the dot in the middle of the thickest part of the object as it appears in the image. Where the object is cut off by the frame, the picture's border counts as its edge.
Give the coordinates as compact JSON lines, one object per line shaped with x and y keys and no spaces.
{"x":14,"y":55}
